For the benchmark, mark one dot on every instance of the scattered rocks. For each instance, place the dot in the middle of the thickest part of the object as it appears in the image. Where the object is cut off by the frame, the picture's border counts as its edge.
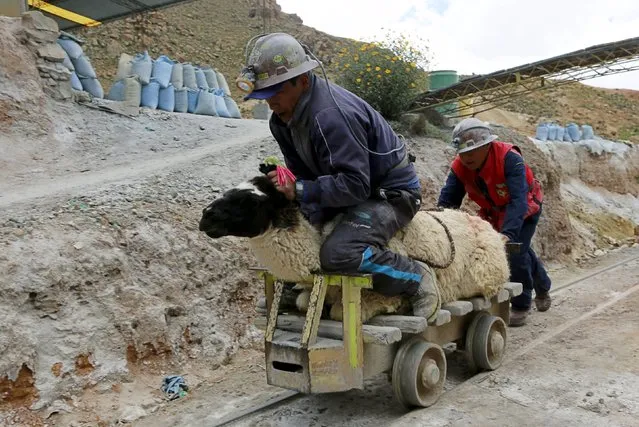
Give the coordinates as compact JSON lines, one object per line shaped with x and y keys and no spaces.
{"x":38,"y":28}
{"x":132,"y":413}
{"x":56,"y":71}
{"x":51,"y":52}
{"x":175,"y":311}
{"x":57,"y":407}
{"x":40,"y":33}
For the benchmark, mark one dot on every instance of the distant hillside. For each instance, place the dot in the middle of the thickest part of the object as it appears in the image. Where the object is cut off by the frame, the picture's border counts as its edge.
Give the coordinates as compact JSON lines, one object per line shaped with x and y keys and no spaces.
{"x":613,"y":113}
{"x":206,"y":32}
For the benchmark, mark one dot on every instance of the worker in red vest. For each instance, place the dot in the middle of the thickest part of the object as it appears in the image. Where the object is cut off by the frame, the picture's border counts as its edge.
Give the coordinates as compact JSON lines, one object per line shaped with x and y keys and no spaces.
{"x":495,"y":176}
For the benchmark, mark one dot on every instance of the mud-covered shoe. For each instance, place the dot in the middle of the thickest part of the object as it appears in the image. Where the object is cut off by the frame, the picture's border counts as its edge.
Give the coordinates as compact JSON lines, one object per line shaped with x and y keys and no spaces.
{"x":543,"y":301}
{"x":518,"y":317}
{"x":426,"y":300}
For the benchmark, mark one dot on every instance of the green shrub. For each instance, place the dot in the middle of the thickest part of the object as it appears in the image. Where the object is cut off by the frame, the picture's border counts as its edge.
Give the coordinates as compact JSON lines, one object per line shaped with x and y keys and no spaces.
{"x":387,"y":74}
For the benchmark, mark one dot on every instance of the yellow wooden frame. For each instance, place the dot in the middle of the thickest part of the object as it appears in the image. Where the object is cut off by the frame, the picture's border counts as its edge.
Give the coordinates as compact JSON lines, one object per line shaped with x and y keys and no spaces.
{"x":351,"y":305}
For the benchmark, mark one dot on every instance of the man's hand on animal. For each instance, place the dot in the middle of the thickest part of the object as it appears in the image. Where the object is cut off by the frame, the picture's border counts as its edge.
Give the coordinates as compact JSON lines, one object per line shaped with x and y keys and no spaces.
{"x":287,"y":187}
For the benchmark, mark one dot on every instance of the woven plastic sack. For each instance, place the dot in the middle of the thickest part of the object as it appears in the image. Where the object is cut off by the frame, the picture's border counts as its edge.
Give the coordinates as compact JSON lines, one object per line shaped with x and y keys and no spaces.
{"x":573,"y":131}
{"x":67,"y":62}
{"x":211,"y":78}
{"x":188,"y":74}
{"x":142,"y":66}
{"x":167,"y":99}
{"x":92,"y":86}
{"x":83,"y":67}
{"x":231,"y":107}
{"x":162,"y":69}
{"x":561,"y":131}
{"x":181,"y":100}
{"x":70,"y":47}
{"x":116,"y":93}
{"x":177,"y":76}
{"x":132,"y":91}
{"x":221,"y":81}
{"x":587,"y":132}
{"x":124,"y":66}
{"x":75,"y":81}
{"x":206,"y":104}
{"x":542,"y":132}
{"x":151,"y":94}
{"x":567,"y":137}
{"x":200,"y":79}
{"x":193,"y":95}
{"x":552,"y":132}
{"x":220,"y":105}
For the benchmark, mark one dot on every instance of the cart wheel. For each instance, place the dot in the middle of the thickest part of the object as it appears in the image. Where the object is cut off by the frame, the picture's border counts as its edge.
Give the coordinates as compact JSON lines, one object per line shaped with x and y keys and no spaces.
{"x":419,"y":373}
{"x":486,"y":342}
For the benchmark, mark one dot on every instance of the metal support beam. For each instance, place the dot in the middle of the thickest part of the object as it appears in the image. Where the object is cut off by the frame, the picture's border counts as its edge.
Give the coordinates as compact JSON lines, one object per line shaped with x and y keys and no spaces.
{"x":495,"y":89}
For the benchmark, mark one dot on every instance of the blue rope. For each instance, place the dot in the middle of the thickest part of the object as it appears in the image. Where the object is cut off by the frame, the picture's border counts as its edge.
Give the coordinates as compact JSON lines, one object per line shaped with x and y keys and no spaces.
{"x":174,"y":386}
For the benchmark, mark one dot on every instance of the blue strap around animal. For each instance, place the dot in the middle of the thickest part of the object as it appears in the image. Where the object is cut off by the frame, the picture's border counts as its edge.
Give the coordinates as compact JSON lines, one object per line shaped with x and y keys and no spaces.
{"x":173,"y":386}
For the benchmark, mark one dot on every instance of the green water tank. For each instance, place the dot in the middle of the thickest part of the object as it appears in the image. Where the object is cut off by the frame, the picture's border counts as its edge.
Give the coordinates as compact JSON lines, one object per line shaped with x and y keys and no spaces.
{"x":440,"y":79}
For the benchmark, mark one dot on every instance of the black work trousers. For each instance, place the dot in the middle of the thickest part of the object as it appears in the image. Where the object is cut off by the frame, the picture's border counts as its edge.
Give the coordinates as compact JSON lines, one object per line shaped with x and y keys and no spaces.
{"x":358,"y":243}
{"x":526,"y":268}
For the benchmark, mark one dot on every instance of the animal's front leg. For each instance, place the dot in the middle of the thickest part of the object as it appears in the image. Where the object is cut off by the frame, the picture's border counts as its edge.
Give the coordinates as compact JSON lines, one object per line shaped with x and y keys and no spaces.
{"x":301,"y":302}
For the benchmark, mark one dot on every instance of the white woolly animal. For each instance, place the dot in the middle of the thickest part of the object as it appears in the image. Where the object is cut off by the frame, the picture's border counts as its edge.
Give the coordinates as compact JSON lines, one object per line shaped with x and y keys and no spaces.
{"x":291,"y":253}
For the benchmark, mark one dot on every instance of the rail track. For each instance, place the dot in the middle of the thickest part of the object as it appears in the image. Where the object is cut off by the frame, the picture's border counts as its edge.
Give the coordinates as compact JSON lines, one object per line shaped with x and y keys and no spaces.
{"x":288,"y":396}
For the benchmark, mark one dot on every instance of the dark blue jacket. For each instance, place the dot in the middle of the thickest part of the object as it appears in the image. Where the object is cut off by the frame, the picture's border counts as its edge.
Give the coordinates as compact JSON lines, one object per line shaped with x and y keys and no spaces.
{"x":452,"y":195}
{"x":342,"y":172}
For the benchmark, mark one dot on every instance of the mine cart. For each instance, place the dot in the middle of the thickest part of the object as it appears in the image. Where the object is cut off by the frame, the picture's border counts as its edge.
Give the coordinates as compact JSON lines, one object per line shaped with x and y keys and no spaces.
{"x":312,"y":355}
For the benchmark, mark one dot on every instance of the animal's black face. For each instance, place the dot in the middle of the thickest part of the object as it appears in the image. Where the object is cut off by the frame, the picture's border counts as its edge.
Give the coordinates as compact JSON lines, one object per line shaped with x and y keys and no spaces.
{"x":247,"y":210}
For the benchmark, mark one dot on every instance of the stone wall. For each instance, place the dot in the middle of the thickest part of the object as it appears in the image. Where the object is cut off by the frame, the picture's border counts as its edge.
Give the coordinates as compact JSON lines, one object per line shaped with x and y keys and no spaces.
{"x":39,"y":33}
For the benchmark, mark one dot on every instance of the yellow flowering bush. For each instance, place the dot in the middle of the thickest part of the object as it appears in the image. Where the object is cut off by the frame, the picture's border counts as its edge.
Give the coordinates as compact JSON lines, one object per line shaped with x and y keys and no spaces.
{"x":387,"y":74}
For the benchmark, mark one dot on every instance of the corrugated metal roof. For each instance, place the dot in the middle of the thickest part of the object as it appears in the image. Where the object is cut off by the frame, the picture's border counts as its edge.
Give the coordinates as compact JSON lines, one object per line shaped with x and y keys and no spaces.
{"x":105,"y":10}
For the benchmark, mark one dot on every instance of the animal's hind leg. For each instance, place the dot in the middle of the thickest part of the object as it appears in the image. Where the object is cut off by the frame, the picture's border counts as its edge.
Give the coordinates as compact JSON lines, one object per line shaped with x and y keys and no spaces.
{"x":333,"y":296}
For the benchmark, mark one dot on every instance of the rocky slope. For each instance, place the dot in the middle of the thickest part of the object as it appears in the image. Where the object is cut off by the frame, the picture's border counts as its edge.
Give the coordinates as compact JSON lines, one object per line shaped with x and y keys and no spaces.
{"x":611,"y":112}
{"x":211,"y":32}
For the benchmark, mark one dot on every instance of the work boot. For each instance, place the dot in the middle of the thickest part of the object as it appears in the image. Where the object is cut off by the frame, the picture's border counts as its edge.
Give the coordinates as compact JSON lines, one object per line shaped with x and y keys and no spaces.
{"x":426,"y":300}
{"x":543,"y":301}
{"x":518,"y":317}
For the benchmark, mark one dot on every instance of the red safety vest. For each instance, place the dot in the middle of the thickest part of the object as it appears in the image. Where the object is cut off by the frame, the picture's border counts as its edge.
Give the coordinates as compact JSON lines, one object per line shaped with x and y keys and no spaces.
{"x":493,"y":204}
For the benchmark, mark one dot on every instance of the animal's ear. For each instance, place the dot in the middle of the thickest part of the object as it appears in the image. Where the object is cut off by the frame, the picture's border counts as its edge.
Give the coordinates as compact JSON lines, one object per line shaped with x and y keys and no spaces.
{"x":264,"y":184}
